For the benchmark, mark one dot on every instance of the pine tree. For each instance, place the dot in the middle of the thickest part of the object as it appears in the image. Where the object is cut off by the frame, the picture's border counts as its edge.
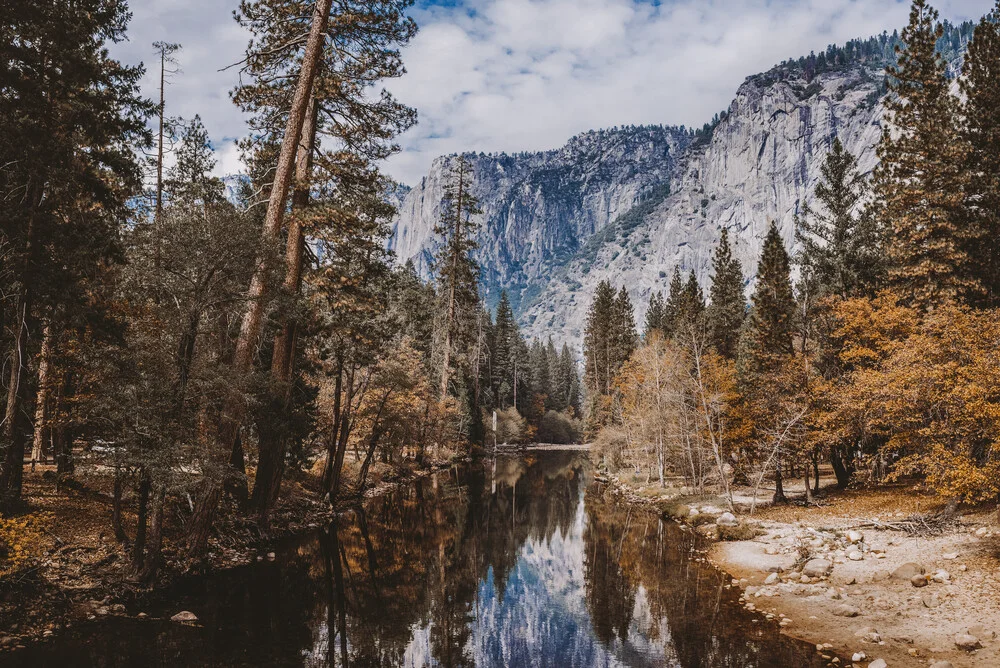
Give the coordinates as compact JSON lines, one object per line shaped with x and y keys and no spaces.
{"x":920,"y":182}
{"x":841,"y":245}
{"x":624,"y":337}
{"x":569,"y":380}
{"x":727,"y":309}
{"x":597,"y":340}
{"x":504,"y":350}
{"x":771,"y":321}
{"x":673,"y":308}
{"x":557,"y":389}
{"x":766,"y":347}
{"x":458,"y":272}
{"x":72,"y":120}
{"x":654,"y":314}
{"x":690,"y":316}
{"x":981,"y":131}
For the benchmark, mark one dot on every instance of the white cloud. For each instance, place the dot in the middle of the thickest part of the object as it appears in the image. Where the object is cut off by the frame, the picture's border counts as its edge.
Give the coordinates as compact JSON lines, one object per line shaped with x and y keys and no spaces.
{"x":512,"y":75}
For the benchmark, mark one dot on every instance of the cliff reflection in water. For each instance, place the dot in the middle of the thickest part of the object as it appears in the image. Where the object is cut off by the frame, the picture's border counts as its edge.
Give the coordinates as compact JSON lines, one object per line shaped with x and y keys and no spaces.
{"x":513,"y":563}
{"x":518,"y":564}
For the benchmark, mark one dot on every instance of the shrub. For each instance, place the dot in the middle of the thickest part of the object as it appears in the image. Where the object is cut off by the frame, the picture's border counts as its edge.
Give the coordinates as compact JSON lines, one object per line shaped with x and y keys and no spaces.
{"x":511,"y":427}
{"x":559,"y":428}
{"x":609,"y":447}
{"x":22,"y":540}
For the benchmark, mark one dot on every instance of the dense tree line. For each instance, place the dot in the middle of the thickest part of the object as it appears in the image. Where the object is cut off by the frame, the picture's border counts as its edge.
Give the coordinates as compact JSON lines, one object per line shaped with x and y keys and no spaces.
{"x":187,"y":345}
{"x":880,"y":354}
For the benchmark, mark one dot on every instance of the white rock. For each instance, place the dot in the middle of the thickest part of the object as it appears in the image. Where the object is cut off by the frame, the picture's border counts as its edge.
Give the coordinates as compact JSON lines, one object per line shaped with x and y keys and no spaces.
{"x":817,"y":568}
{"x":950,"y":555}
{"x":855,"y":536}
{"x":184,"y":616}
{"x":727,"y":520}
{"x":858,"y":656}
{"x":855,"y":555}
{"x":967,"y":642}
{"x":771,"y":579}
{"x":878,"y":663}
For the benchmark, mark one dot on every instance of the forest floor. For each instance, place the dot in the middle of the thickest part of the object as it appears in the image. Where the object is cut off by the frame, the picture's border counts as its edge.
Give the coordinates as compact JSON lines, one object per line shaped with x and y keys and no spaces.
{"x":84,"y":573}
{"x":862,"y":602}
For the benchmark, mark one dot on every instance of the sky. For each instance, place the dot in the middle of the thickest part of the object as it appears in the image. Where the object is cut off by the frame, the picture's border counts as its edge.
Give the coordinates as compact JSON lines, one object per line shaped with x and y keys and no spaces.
{"x":526,"y":75}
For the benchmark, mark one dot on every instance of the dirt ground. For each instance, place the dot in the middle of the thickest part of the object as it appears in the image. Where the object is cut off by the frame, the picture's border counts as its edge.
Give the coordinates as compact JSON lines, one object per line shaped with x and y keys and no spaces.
{"x":860,"y":607}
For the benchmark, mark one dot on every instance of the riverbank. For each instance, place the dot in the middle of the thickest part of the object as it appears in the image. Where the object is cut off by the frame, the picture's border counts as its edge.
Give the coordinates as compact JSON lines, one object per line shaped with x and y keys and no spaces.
{"x":865,"y":575}
{"x":83,"y":573}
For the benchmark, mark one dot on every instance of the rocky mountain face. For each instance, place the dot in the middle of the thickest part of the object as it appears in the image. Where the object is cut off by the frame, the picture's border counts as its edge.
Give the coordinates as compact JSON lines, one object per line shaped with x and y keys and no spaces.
{"x":630,"y":204}
{"x":538,"y":207}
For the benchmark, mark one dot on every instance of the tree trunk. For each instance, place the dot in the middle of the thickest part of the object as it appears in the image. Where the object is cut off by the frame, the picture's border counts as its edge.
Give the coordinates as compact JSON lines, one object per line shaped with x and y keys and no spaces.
{"x":840,"y":468}
{"x":270,"y":467}
{"x":62,"y":434}
{"x":12,"y":439}
{"x":779,"y":488}
{"x":815,"y":463}
{"x":257,"y":294}
{"x":42,"y":400}
{"x":805,"y":471}
{"x":116,"y":506}
{"x":155,"y":540}
{"x":200,"y":525}
{"x":142,"y":514}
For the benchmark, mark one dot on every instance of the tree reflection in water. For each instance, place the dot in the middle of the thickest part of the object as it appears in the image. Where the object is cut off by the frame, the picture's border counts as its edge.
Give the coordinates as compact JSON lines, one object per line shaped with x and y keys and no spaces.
{"x":517,"y":561}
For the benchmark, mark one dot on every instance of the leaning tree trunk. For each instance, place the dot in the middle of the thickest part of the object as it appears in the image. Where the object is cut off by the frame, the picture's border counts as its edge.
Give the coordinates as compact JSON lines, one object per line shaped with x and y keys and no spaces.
{"x":271,"y":466}
{"x":250,"y":329}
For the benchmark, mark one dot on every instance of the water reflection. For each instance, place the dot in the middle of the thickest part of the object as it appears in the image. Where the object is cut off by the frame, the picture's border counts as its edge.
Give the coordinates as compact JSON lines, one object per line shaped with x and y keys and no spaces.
{"x":515,"y":562}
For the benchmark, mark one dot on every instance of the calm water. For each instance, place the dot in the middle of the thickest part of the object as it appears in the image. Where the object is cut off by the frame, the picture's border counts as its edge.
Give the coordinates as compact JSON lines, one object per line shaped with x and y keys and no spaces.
{"x":518,"y":562}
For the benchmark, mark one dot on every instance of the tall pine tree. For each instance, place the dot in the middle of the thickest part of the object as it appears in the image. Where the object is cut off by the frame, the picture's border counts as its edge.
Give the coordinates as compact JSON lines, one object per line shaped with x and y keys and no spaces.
{"x":920,"y":181}
{"x":981,"y":131}
{"x":840,"y":242}
{"x":458,"y":272}
{"x":726,"y":310}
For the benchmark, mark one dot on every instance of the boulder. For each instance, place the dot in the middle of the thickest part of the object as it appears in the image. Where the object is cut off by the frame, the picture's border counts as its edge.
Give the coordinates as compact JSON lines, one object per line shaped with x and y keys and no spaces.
{"x":727,"y":520}
{"x":919,"y":581}
{"x":941,"y":576}
{"x":855,"y":536}
{"x":855,"y":555}
{"x":817,"y":568}
{"x":967,"y":642}
{"x":771,"y":579}
{"x":878,"y":663}
{"x":930,"y":600}
{"x":950,"y":556}
{"x":857,"y":657}
{"x":869,"y":634}
{"x":845,"y":610}
{"x":907,"y":571}
{"x":184,"y":617}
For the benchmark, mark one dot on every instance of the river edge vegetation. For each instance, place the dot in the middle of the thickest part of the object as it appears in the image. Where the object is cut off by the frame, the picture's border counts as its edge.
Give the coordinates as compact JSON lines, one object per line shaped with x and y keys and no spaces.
{"x":872,"y":350}
{"x":194,"y":366}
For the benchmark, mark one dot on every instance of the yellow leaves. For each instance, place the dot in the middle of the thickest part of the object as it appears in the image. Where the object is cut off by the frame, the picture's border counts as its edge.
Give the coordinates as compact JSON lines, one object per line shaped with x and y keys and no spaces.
{"x":928,"y":386}
{"x":21,"y":542}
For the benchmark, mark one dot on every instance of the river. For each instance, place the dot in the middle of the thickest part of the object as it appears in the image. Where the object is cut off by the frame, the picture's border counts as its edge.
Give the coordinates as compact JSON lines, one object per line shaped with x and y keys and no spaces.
{"x":518,"y":561}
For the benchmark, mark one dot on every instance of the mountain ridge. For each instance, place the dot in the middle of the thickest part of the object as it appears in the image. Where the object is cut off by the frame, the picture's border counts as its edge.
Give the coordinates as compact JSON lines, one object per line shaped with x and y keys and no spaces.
{"x":630,"y":203}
